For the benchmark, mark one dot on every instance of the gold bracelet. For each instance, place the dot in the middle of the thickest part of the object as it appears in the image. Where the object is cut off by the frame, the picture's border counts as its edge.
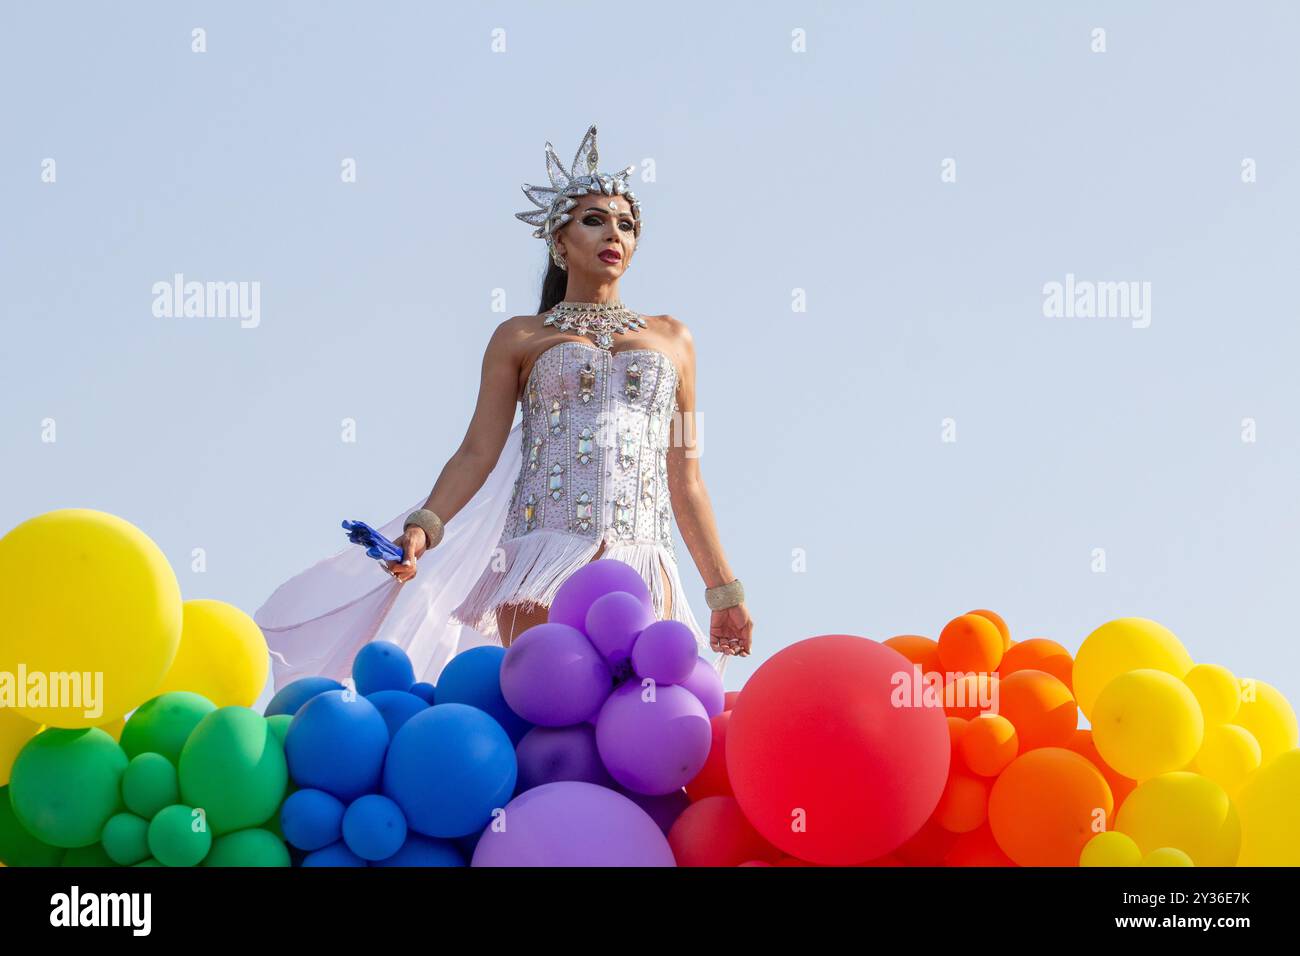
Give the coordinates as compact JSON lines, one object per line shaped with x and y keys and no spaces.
{"x":428,"y":522}
{"x":725,"y":595}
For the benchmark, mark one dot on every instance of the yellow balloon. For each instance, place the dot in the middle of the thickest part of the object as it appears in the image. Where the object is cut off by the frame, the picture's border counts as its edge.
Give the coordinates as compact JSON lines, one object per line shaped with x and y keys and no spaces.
{"x":223,"y":655}
{"x":1122,"y":645}
{"x":1166,"y":856}
{"x":1267,"y":715}
{"x":1147,"y":722}
{"x":1183,"y":810}
{"x":1218,"y":691}
{"x":90,"y":617}
{"x":1270,"y":823}
{"x":114,"y":727}
{"x":1110,"y":848}
{"x":15,"y":731}
{"x":1228,"y":756}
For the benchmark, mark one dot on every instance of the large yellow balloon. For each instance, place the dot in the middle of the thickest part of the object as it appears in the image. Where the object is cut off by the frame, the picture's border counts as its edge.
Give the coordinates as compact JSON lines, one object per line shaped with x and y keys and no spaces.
{"x":1270,"y":822}
{"x":1183,"y":810}
{"x":1125,"y":644}
{"x":1110,"y":848}
{"x":85,"y":594}
{"x":1228,"y":756}
{"x":1218,"y":691}
{"x":15,"y":731}
{"x":223,"y":655}
{"x":1147,"y":722}
{"x":1267,"y":715}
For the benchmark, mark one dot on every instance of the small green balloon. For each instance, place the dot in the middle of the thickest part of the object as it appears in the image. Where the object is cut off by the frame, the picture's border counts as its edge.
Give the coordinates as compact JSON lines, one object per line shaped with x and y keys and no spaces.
{"x":126,"y":838}
{"x":233,"y":767}
{"x":65,"y":785}
{"x":279,"y":725}
{"x":252,"y":847}
{"x":163,"y":724}
{"x":150,"y":783}
{"x":17,"y":845}
{"x":149,"y":862}
{"x":179,"y":837}
{"x":92,"y":855}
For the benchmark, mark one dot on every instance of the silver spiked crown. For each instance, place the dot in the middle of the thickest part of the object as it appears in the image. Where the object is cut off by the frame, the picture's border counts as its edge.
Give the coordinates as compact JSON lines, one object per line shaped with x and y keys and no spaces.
{"x":554,"y":201}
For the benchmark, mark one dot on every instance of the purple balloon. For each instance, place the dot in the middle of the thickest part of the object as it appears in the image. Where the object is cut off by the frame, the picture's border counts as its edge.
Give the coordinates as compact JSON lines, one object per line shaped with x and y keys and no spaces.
{"x":573,"y":823}
{"x":548,"y":754}
{"x":653,"y":746}
{"x":664,"y":809}
{"x":594,"y":580}
{"x":552,"y":676}
{"x":665,"y":652}
{"x":613,"y":622}
{"x":706,"y":685}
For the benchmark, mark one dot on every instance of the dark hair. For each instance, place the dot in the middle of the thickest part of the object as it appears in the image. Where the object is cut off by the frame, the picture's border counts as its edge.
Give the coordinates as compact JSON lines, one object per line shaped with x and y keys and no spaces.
{"x":553,"y":286}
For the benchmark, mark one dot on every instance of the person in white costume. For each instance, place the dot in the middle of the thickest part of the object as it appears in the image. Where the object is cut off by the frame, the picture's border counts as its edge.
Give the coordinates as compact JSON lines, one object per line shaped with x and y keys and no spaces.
{"x":604,"y":453}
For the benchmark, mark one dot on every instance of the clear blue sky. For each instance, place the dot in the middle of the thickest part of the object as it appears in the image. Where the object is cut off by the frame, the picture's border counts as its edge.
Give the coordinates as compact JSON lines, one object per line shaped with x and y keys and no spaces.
{"x":776,"y":171}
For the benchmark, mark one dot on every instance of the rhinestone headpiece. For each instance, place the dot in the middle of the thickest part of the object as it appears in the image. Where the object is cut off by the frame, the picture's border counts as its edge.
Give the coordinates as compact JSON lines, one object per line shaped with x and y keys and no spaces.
{"x":554,"y":202}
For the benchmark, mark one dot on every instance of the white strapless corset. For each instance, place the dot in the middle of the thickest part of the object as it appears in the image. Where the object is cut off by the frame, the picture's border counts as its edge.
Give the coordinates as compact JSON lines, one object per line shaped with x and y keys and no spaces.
{"x":595,"y":433}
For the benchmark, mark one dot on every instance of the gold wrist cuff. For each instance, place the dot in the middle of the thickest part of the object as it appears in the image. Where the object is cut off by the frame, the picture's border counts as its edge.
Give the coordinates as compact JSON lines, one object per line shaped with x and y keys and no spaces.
{"x":725,"y":595}
{"x":427,"y":521}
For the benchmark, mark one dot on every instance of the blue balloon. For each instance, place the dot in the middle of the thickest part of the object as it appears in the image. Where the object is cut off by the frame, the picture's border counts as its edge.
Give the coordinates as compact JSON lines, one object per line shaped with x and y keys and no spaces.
{"x":336,"y":854}
{"x":425,"y":691}
{"x":290,"y":698}
{"x":311,"y":819}
{"x":425,"y":851}
{"x":382,"y":665}
{"x":467,"y":843}
{"x":473,"y":677}
{"x":373,"y":827}
{"x":336,"y":743}
{"x":448,"y":768}
{"x":396,"y":707}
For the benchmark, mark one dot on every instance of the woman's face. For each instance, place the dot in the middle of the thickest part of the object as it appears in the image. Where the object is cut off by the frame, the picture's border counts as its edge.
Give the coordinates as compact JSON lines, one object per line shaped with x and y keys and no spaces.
{"x":599,"y":239}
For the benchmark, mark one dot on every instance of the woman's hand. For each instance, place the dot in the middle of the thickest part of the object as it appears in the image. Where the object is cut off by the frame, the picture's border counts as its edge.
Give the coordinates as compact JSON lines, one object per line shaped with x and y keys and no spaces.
{"x":413,"y":544}
{"x":731,"y":631}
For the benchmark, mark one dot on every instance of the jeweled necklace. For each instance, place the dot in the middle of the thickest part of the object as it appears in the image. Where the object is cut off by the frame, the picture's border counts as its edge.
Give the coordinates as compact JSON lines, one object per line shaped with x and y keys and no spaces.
{"x":599,"y":321}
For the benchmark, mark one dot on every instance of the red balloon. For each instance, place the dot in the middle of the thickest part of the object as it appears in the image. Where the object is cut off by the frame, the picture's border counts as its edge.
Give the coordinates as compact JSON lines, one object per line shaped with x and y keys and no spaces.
{"x":713,"y":832}
{"x":928,"y":846}
{"x":976,"y":848}
{"x":729,"y":699}
{"x":831,"y":755}
{"x":712,"y":780}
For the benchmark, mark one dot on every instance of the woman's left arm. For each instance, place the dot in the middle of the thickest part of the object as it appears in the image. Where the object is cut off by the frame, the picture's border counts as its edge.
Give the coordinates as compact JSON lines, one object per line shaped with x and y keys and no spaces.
{"x":730,"y":629}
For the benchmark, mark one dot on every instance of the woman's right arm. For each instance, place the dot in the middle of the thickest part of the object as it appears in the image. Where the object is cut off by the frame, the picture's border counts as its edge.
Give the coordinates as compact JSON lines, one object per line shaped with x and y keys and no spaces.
{"x":468,"y":467}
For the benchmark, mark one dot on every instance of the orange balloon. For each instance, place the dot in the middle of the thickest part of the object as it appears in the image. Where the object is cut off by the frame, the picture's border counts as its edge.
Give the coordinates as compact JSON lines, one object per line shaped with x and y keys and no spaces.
{"x":1040,"y":654}
{"x":1000,"y":624}
{"x":976,"y":848}
{"x":964,"y":803}
{"x":1041,"y":708}
{"x":970,"y":695}
{"x":1044,"y":806}
{"x":1120,"y":785}
{"x":957,"y":727}
{"x":970,"y":643}
{"x":989,"y":744}
{"x":928,"y":846}
{"x":918,"y":650}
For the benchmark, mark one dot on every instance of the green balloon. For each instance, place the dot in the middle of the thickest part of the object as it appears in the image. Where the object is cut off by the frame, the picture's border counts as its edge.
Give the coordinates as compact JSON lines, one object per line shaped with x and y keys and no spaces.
{"x":126,"y":838}
{"x":233,"y":767}
{"x":179,"y":837}
{"x":92,"y":855}
{"x":280,"y":726}
{"x":149,"y":862}
{"x":253,"y":847}
{"x":65,"y":785}
{"x":149,"y":784}
{"x":163,"y":724}
{"x":17,"y":846}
